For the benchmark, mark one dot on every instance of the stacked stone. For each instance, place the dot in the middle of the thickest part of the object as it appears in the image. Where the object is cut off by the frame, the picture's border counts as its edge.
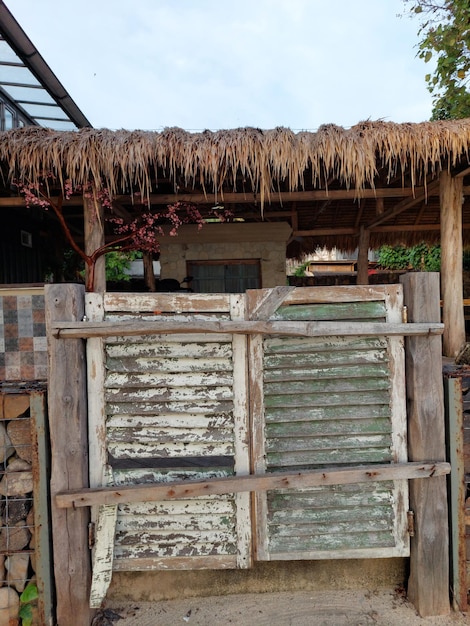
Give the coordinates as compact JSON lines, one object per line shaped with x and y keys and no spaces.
{"x":17,"y":564}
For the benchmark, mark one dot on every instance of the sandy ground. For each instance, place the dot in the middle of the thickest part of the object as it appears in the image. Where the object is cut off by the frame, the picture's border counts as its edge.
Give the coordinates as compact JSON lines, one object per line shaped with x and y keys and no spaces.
{"x":332,"y":608}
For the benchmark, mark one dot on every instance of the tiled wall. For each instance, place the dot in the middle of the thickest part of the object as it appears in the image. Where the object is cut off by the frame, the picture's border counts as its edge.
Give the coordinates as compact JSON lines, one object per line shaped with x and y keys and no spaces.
{"x":23,"y":347}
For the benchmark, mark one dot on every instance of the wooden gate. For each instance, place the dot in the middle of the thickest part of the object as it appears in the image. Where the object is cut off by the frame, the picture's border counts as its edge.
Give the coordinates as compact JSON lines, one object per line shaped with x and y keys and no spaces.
{"x":296,"y":396}
{"x":175,"y":406}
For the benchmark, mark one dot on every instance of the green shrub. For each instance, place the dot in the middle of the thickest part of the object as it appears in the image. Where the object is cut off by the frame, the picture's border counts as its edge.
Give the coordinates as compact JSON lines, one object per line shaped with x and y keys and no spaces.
{"x":394,"y":257}
{"x":421,"y":258}
{"x":425,"y":258}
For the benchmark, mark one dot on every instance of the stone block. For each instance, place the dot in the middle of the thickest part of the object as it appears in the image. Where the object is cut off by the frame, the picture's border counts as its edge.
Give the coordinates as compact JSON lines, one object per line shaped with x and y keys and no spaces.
{"x":9,"y":606}
{"x":30,"y":518}
{"x":19,"y":432}
{"x":14,"y":538}
{"x":17,"y":480}
{"x":15,"y":405}
{"x":16,"y":510}
{"x":17,"y":570}
{"x":6,"y":449}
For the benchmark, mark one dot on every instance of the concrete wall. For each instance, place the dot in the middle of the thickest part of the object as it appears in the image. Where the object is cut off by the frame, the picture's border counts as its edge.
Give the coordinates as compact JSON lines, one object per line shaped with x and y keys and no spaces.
{"x":264,"y":577}
{"x":263,"y":241}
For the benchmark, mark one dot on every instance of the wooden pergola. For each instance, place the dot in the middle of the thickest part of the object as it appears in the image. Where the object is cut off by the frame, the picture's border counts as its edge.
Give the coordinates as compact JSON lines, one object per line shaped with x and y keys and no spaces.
{"x":375,"y":183}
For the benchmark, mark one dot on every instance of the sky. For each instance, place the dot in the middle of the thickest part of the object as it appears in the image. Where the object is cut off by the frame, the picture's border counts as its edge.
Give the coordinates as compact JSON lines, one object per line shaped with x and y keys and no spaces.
{"x":221,"y":64}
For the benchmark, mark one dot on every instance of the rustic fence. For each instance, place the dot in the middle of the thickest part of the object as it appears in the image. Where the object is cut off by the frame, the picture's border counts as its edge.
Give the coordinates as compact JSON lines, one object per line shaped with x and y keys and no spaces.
{"x":245,"y":324}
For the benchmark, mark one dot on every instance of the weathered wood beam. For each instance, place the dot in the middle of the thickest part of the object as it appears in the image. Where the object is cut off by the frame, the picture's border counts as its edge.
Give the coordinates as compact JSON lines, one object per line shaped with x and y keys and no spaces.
{"x":462,"y":173}
{"x":270,"y":302}
{"x":67,"y":412}
{"x":428,"y":586}
{"x":242,"y":198}
{"x":419,"y":196}
{"x":451,"y":200}
{"x":409,"y":228}
{"x":275,"y":198}
{"x":320,"y":232}
{"x":70,"y":330}
{"x":280,"y":480}
{"x":453,"y":394}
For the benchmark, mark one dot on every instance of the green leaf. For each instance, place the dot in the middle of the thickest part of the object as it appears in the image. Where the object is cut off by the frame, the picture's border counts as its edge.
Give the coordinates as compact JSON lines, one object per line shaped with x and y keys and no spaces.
{"x":427,"y":56}
{"x":26,"y":615}
{"x":29,"y":594}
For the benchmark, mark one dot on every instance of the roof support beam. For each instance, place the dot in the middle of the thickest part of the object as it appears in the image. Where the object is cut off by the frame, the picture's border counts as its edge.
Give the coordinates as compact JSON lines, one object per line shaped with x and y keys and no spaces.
{"x":420,"y":193}
{"x":432,"y":189}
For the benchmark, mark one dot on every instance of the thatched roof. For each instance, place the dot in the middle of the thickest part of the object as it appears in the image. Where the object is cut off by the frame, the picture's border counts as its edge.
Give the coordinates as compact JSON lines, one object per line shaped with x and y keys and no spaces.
{"x":338,"y":179}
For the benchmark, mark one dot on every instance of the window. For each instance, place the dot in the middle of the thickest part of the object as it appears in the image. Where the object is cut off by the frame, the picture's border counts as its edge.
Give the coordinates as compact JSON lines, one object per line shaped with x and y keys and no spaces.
{"x":234,"y":276}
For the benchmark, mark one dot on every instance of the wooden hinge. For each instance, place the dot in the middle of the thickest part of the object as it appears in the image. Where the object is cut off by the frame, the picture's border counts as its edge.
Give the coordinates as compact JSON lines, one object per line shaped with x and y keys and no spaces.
{"x":411,"y":523}
{"x":91,"y":535}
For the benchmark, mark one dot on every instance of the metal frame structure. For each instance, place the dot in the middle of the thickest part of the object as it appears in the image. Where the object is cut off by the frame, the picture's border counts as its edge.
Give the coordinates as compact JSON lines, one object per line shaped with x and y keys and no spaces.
{"x":30,"y":93}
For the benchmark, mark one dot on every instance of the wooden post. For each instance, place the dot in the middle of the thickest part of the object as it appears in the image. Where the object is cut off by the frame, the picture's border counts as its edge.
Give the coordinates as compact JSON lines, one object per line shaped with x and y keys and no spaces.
{"x":451,"y":198}
{"x":363,"y":257}
{"x":40,"y":452}
{"x":93,"y":215}
{"x":428,"y":585}
{"x":149,"y":276}
{"x":67,"y":408}
{"x":457,"y":488}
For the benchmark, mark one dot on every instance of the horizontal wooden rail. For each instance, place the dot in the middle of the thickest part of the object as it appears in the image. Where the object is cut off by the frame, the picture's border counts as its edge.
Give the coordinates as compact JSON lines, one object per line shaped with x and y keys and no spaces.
{"x":262,"y":482}
{"x":77,"y":330}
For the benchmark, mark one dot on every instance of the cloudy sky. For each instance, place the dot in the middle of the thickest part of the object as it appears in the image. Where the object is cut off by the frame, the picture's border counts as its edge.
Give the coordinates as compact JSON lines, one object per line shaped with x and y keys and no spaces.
{"x":216,"y":64}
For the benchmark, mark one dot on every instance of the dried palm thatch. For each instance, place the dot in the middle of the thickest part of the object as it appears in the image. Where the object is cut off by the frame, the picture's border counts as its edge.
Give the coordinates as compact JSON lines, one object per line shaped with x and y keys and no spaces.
{"x":127,"y":160}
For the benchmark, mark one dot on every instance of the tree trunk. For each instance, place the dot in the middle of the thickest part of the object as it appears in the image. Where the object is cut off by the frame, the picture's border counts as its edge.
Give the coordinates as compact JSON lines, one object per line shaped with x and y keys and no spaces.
{"x":94,"y":239}
{"x":149,"y":275}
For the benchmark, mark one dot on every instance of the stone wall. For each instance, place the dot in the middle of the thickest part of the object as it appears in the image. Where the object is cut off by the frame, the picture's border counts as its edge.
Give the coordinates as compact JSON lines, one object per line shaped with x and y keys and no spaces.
{"x":23,"y":346}
{"x":263,"y":241}
{"x":17,"y":530}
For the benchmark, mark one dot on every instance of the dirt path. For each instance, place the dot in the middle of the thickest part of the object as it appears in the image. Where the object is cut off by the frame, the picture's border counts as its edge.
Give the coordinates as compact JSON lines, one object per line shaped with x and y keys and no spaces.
{"x":332,"y":608}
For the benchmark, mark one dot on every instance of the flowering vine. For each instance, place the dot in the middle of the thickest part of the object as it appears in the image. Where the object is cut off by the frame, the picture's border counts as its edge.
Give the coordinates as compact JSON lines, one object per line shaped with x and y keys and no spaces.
{"x":141,"y":233}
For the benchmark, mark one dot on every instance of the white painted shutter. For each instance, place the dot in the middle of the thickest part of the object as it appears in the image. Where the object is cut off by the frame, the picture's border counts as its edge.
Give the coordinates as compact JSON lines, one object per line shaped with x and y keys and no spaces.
{"x":175,"y":407}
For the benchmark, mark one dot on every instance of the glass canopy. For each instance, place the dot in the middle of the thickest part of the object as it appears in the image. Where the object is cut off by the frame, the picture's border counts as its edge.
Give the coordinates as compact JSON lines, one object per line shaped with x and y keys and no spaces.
{"x":30,"y":93}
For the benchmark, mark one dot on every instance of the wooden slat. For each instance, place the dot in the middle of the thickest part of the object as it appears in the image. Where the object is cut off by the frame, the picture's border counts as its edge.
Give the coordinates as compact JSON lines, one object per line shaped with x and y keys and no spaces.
{"x":337,"y":311}
{"x":241,"y":424}
{"x":453,"y":395}
{"x":164,"y":353}
{"x":344,"y":293}
{"x":270,"y":301}
{"x":158,"y":302}
{"x":321,"y":345}
{"x":70,"y":330}
{"x":295,"y":480}
{"x":216,"y":561}
{"x":257,"y":412}
{"x":103,"y":554}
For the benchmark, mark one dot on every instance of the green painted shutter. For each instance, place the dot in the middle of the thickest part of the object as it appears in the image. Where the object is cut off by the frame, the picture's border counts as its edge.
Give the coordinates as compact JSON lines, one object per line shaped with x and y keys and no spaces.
{"x":331,"y":401}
